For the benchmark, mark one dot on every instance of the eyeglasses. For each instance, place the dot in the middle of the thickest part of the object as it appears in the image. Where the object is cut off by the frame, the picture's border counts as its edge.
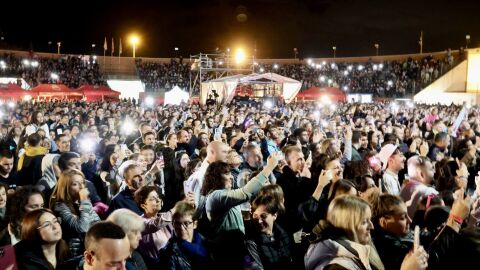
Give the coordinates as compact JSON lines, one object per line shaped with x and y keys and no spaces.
{"x":185,"y":224}
{"x":49,"y":224}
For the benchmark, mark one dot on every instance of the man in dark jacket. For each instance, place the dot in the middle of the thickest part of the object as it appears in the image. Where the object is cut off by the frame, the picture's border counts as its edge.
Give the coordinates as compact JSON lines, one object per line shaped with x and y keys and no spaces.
{"x":125,"y":199}
{"x":297,"y":187}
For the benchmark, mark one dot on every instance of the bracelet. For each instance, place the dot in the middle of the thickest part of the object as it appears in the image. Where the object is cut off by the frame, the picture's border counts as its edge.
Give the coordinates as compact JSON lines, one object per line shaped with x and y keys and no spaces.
{"x":456,"y":218}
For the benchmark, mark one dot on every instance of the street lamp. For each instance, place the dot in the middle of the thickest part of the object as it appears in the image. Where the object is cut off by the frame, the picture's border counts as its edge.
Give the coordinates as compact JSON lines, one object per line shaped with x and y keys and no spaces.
{"x":467,"y":41}
{"x":93,"y":48}
{"x":377,"y":46}
{"x":59,"y":44}
{"x":334,"y":51}
{"x":134,"y":40}
{"x":295,"y":53}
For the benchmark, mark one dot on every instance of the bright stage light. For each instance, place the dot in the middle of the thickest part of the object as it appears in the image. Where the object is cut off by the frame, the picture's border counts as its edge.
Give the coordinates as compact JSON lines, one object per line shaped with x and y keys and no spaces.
{"x":360,"y":67}
{"x":134,"y":39}
{"x":275,"y":66}
{"x":380,"y":66}
{"x":26,"y":62}
{"x":149,"y":101}
{"x":318,"y":66}
{"x":240,"y":56}
{"x":262,"y":69}
{"x":375,"y":67}
{"x":330,"y":81}
{"x":54,"y":76}
{"x":324,"y":63}
{"x":345,"y":88}
{"x":128,"y":127}
{"x":325,"y":100}
{"x":389,"y":83}
{"x":345,"y":73}
{"x":309,"y":61}
{"x":322,"y":78}
{"x":34,"y":64}
{"x":350,"y":67}
{"x":268,"y":104}
{"x":332,"y":65}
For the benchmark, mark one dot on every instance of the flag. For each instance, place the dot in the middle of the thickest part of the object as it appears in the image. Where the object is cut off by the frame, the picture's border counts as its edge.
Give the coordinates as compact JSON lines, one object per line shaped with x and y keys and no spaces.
{"x":105,"y":45}
{"x":113,"y":47}
{"x":463,"y":115}
{"x":120,"y":48}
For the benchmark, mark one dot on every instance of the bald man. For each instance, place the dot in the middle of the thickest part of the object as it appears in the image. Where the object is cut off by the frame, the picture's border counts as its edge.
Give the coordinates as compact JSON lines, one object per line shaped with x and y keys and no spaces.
{"x":216,"y":151}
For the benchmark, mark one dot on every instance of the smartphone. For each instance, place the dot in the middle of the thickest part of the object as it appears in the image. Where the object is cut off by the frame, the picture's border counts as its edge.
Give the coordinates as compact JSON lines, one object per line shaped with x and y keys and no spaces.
{"x":416,"y":238}
{"x":7,"y":258}
{"x":159,"y":155}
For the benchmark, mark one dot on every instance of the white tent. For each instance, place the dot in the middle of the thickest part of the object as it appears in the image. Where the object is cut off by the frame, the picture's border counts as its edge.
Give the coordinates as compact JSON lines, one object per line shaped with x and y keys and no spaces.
{"x":226,"y":86}
{"x":176,"y":96}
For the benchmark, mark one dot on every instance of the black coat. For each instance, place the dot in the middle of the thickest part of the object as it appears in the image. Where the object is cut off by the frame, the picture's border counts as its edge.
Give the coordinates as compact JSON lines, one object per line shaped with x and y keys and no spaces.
{"x":31,"y":171}
{"x":392,"y":249}
{"x":30,"y":256}
{"x":296,"y":191}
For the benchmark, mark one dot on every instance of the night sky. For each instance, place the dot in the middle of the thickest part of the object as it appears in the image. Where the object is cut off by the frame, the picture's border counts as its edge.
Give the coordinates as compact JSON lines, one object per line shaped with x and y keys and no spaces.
{"x":276,"y":27}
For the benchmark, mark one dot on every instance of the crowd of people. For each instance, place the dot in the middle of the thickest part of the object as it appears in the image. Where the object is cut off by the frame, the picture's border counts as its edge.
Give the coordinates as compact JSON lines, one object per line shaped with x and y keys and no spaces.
{"x":382,"y":79}
{"x":73,"y":71}
{"x":121,"y":185}
{"x":164,"y":76}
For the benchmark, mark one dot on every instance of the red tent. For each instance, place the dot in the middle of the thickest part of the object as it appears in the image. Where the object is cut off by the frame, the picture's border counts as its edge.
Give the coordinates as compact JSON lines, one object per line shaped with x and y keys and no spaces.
{"x":316,"y":93}
{"x":55,"y":91}
{"x":96,"y":92}
{"x":11,"y":91}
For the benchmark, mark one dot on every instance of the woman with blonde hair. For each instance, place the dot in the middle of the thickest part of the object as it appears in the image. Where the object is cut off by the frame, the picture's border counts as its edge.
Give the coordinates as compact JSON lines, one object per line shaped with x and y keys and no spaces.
{"x":71,"y":203}
{"x":343,"y":241}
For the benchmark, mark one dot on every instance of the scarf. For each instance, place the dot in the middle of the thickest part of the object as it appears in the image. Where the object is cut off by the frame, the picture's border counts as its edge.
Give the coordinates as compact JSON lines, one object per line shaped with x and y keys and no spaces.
{"x":31,"y":152}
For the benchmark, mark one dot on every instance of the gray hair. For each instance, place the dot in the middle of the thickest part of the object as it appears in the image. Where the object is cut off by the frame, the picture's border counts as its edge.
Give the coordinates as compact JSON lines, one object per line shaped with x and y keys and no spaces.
{"x":127,"y":220}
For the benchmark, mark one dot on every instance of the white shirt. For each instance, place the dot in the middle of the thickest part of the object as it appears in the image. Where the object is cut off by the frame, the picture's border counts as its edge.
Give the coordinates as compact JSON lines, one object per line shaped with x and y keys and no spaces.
{"x":391,"y":183}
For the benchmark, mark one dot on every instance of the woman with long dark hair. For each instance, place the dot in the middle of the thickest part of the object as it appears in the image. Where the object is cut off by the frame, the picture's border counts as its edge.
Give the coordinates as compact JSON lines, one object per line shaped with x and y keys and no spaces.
{"x":42,"y":246}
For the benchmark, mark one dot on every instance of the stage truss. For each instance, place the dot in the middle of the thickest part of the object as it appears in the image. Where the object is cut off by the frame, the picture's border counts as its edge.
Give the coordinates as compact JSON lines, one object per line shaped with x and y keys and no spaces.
{"x":215,"y":66}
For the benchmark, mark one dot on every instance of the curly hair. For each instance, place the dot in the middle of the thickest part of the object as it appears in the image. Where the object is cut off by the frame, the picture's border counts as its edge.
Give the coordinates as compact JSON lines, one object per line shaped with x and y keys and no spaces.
{"x":213,"y":177}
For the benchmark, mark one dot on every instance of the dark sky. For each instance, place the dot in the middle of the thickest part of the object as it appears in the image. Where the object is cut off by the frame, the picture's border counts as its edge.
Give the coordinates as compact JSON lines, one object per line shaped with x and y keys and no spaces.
{"x":276,"y":27}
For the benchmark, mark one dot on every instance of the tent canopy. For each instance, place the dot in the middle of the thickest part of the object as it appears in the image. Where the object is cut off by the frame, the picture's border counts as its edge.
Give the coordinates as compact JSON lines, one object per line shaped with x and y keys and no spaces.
{"x":176,"y":96}
{"x":54,"y":91}
{"x":96,"y":92}
{"x":12,"y":91}
{"x":226,"y":86}
{"x":316,"y":93}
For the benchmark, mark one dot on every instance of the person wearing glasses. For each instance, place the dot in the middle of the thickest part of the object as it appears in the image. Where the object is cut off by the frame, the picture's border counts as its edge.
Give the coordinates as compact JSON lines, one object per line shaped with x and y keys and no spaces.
{"x":158,"y":226}
{"x":187,"y":248}
{"x":41,"y":246}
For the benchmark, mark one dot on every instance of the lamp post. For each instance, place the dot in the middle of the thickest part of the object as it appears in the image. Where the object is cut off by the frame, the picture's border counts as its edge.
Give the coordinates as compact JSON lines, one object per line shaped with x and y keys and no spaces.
{"x":377,"y":46}
{"x":334,"y":48}
{"x":134,"y":41}
{"x":467,"y":41}
{"x":93,"y":49}
{"x":295,"y":53}
{"x":59,"y":44}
